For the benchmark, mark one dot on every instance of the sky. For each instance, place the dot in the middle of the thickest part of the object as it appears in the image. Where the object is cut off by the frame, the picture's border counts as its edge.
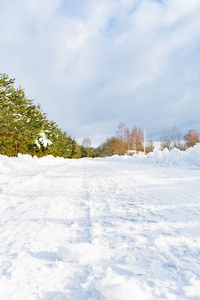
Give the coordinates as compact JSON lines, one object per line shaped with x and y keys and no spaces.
{"x":92,"y":64}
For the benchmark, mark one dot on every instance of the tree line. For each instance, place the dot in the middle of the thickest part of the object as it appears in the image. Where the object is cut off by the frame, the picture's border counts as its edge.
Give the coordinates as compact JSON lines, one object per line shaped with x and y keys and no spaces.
{"x":128,"y":141}
{"x":25,"y":128}
{"x":172,"y":138}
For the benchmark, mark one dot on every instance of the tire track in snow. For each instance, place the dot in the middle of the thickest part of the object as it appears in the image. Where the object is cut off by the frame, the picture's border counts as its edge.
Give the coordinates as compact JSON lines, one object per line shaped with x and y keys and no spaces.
{"x":41,"y":198}
{"x":128,"y":214}
{"x":119,"y":219}
{"x":85,"y":273}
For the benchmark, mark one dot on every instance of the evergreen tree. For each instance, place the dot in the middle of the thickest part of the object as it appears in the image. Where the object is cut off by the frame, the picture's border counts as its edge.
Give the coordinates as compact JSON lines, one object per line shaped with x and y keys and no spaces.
{"x":24,"y":128}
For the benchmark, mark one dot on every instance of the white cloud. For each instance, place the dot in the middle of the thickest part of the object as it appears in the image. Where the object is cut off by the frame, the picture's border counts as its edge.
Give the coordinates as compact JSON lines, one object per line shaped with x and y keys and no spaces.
{"x":92,"y":64}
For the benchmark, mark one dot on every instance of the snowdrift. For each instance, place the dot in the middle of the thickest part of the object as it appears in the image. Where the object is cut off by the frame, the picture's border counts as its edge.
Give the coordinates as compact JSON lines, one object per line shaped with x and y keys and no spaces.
{"x":174,"y":157}
{"x":188,"y":158}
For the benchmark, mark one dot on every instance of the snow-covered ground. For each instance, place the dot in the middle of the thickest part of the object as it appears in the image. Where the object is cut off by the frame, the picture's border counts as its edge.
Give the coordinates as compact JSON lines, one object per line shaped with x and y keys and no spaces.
{"x":113,"y":228}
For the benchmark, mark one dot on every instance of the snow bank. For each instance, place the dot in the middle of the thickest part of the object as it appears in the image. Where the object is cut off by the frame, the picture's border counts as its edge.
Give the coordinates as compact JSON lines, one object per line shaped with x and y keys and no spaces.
{"x":176,"y":157}
{"x":9,"y":164}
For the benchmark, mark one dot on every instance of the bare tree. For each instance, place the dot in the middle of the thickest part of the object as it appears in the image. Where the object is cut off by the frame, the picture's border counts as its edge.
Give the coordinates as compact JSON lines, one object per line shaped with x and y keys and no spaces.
{"x":121,"y":131}
{"x":128,"y":138}
{"x":192,"y":138}
{"x":150,"y":146}
{"x":86,"y":142}
{"x":165,"y":139}
{"x":175,"y":138}
{"x":112,"y":146}
{"x":137,"y":139}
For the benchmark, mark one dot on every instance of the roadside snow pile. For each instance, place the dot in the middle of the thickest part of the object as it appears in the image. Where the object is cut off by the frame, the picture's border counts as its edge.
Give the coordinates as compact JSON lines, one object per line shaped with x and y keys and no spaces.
{"x":10,"y":164}
{"x":174,"y":157}
{"x":190,"y":157}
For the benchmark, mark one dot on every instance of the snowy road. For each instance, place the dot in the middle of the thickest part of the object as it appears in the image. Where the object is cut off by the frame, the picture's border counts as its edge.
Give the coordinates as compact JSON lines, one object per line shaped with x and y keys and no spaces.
{"x":98,"y":229}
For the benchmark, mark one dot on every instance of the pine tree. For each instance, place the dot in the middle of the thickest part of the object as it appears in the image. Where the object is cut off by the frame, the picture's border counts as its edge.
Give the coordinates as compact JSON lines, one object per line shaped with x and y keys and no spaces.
{"x":24,"y":128}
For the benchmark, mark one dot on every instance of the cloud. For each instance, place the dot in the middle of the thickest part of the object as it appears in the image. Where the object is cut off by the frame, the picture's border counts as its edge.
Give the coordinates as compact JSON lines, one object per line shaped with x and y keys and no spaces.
{"x":93,"y":64}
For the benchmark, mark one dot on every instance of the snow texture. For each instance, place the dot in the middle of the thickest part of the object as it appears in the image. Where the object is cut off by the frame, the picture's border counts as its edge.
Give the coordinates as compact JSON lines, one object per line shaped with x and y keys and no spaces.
{"x":43,"y":140}
{"x":114,"y":228}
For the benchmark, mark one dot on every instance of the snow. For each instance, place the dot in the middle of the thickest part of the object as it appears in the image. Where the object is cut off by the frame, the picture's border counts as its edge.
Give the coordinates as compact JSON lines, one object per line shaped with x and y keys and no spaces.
{"x":174,"y":157}
{"x":115,"y":228}
{"x":82,"y":253}
{"x":43,"y":140}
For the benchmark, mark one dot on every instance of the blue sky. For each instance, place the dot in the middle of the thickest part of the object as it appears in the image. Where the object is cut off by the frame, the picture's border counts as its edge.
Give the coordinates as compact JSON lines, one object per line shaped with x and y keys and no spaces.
{"x":92,"y":64}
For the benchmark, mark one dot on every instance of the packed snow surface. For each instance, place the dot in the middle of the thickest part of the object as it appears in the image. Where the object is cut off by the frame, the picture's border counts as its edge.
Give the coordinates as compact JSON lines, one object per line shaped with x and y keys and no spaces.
{"x":114,"y":228}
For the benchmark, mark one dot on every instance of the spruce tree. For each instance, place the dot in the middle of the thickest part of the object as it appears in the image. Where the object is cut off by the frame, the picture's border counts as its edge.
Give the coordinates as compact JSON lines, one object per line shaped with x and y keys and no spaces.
{"x":24,"y":128}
